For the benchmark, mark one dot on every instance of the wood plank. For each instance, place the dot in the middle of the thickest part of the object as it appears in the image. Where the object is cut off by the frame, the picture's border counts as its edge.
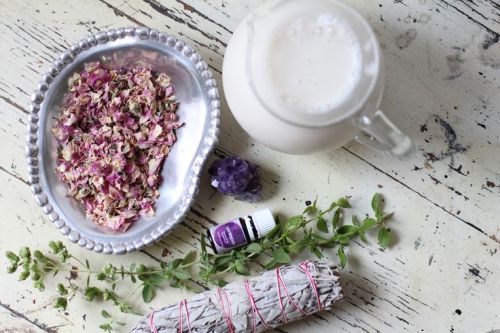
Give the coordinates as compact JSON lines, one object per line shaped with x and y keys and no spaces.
{"x":400,"y":275}
{"x":442,"y":92}
{"x":439,"y":264}
{"x":12,"y":321}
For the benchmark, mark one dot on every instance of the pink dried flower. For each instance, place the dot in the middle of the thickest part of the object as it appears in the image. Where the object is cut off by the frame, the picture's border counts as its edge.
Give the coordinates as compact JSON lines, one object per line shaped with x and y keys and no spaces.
{"x":115,"y":130}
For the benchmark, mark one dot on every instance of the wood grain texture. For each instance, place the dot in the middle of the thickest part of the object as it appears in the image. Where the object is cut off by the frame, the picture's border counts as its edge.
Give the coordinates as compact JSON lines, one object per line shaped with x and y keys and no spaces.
{"x":13,"y":321}
{"x":443,"y":78}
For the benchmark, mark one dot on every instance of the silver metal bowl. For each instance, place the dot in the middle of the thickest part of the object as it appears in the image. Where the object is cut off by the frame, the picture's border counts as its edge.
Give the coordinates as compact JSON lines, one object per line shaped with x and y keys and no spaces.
{"x":199,"y":109}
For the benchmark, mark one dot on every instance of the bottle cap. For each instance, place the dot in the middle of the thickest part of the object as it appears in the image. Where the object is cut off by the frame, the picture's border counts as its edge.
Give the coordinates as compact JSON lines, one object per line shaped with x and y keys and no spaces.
{"x":264,"y":221}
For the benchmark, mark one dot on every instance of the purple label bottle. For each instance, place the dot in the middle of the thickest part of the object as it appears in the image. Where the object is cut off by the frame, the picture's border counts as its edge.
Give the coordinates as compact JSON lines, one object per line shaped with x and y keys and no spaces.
{"x":240,"y":231}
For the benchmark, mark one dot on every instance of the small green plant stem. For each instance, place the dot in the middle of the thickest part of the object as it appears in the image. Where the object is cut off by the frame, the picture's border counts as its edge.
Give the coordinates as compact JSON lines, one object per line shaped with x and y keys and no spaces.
{"x":62,"y":268}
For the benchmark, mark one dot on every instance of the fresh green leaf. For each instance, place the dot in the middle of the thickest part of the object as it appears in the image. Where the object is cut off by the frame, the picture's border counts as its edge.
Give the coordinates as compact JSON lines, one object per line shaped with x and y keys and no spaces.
{"x":347,"y":230}
{"x":293,"y":223}
{"x":343,"y":202}
{"x":355,"y":221}
{"x":148,"y":293}
{"x":220,"y":283}
{"x":110,"y":272}
{"x":299,"y":246}
{"x":342,"y":256}
{"x":92,"y":293}
{"x":241,"y":267}
{"x":24,"y":252}
{"x":321,"y":224}
{"x":61,"y":289}
{"x":362,"y":236}
{"x":317,"y":252}
{"x":271,"y":264}
{"x":287,"y":240}
{"x":12,"y":256}
{"x":280,"y":256}
{"x":345,"y":234}
{"x":182,"y":274}
{"x":24,"y":275}
{"x":369,"y":223}
{"x":253,"y":248}
{"x":57,"y":247}
{"x":222,"y":261}
{"x":157,"y":279}
{"x":336,"y":218}
{"x":377,"y":203}
{"x":384,"y":237}
{"x":36,"y":276}
{"x":61,"y":303}
{"x":53,"y":246}
{"x":39,"y":255}
{"x":308,"y":210}
{"x":176,"y":262}
{"x":106,"y":327}
{"x":109,"y":295}
{"x":343,"y":240}
{"x":39,"y":285}
{"x":105,"y":314}
{"x":324,"y":242}
{"x":189,"y":258}
{"x":26,"y":265}
{"x":332,"y":206}
{"x":384,"y":217}
{"x":125,"y":308}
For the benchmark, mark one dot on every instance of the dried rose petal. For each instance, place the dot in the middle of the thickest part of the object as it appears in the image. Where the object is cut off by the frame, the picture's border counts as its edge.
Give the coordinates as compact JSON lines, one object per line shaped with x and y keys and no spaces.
{"x":115,"y":130}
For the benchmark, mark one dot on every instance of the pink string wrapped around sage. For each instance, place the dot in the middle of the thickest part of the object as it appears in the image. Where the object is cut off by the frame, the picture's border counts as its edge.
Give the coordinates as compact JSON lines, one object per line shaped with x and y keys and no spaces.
{"x":267,"y":301}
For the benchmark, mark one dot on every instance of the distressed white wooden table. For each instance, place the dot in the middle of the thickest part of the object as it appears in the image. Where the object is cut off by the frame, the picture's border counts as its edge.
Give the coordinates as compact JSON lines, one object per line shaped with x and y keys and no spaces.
{"x":443,"y":84}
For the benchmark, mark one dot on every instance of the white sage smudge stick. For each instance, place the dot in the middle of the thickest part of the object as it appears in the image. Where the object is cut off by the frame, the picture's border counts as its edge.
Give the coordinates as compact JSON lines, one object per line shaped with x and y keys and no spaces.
{"x":267,"y":301}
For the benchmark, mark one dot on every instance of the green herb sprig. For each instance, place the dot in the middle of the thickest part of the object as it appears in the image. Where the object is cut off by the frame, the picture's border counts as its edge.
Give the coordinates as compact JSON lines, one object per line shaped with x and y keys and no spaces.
{"x":315,"y":230}
{"x":111,"y":324}
{"x":295,"y":236}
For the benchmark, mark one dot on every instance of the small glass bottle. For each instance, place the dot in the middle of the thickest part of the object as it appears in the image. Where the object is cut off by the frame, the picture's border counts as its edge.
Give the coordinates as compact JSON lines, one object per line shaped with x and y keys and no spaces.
{"x":241,"y":231}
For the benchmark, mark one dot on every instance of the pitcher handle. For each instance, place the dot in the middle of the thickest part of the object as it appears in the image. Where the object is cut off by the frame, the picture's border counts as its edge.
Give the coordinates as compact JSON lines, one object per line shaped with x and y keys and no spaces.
{"x":381,"y":134}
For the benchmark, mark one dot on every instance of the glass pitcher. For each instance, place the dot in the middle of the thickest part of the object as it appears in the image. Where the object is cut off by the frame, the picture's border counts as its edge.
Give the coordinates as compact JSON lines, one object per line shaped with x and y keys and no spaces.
{"x":305,"y":75}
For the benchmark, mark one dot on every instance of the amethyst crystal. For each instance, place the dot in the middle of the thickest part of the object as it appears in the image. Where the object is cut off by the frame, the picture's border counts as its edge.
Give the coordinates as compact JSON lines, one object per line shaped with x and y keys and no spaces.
{"x":238,"y":178}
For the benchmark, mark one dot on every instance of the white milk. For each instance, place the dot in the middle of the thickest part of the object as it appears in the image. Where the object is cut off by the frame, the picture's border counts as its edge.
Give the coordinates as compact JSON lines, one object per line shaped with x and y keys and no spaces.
{"x":306,"y":61}
{"x":312,"y":64}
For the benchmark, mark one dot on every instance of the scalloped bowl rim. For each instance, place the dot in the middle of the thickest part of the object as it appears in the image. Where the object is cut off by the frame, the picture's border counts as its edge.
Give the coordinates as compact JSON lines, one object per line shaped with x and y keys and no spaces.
{"x":42,"y":194}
